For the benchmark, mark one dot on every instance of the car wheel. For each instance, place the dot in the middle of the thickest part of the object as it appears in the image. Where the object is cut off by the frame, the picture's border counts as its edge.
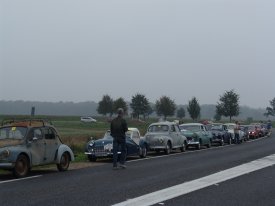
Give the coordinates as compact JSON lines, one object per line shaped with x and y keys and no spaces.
{"x":183,"y":148}
{"x":198,"y":146}
{"x":230,"y":140}
{"x":143,"y":152}
{"x":22,"y":166}
{"x":92,"y":158}
{"x":222,"y":142}
{"x":209,"y":143}
{"x":168,"y":148}
{"x":64,"y":162}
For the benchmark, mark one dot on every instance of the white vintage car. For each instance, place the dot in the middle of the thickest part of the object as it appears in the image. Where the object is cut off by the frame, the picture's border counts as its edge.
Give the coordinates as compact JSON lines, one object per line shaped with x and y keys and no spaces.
{"x":230,"y":129}
{"x":87,"y":119}
{"x":165,"y":136}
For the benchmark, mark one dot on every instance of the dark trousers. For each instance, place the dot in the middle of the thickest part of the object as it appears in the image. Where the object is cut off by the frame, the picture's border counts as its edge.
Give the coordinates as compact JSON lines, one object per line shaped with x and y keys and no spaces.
{"x":119,"y":145}
{"x":237,"y":138}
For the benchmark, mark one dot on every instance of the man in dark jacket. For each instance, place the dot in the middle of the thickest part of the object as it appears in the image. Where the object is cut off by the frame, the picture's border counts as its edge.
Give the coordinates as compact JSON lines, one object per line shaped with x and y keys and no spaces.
{"x":118,"y":129}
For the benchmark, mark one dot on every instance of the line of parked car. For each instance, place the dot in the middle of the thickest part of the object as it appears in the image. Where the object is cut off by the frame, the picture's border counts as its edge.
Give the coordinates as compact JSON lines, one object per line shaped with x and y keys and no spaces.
{"x":32,"y":142}
{"x":168,"y":136}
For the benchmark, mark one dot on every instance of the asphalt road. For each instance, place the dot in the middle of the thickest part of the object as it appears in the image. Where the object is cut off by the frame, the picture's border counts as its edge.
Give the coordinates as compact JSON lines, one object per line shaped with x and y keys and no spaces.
{"x":100,"y":185}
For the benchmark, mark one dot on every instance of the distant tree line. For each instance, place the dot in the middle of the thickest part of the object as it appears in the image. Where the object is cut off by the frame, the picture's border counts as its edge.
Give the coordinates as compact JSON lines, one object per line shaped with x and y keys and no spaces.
{"x":165,"y":107}
{"x":227,"y":106}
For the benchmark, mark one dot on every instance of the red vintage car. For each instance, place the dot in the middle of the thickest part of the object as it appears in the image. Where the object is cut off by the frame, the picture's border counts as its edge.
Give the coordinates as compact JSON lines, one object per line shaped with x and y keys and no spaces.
{"x":253,"y":131}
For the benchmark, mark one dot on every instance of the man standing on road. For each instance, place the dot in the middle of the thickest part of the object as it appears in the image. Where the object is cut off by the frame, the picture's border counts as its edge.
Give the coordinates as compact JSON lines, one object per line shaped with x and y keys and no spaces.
{"x":118,"y":129}
{"x":237,"y":132}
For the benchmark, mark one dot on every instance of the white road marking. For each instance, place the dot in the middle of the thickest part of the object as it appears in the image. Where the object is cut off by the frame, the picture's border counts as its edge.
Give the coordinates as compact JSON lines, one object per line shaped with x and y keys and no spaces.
{"x":14,"y":180}
{"x":187,"y":187}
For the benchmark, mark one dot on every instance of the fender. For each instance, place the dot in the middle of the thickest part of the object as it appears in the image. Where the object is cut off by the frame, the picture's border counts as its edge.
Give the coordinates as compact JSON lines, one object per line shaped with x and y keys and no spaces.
{"x":61,"y":149}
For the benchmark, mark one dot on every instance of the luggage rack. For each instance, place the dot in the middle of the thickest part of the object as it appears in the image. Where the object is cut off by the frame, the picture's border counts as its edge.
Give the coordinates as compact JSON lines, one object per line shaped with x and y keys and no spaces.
{"x":26,"y":122}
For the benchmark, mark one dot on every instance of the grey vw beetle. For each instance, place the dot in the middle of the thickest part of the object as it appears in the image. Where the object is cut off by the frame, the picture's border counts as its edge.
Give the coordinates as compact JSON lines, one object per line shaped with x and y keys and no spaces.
{"x":164,"y":136}
{"x":28,"y":143}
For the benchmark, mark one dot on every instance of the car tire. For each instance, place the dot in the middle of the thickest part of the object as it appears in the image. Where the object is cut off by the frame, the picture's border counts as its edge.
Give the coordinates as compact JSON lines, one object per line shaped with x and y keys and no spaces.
{"x":209,"y":143}
{"x":64,"y":162}
{"x":22,"y":166}
{"x":222,"y":142}
{"x":168,"y":148}
{"x":183,"y":148}
{"x":230,"y":140}
{"x":198,"y":146}
{"x":143,"y":152}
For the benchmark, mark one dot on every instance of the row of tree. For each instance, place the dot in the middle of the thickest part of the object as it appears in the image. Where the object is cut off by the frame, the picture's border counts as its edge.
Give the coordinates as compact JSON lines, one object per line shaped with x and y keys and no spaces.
{"x":228,"y":106}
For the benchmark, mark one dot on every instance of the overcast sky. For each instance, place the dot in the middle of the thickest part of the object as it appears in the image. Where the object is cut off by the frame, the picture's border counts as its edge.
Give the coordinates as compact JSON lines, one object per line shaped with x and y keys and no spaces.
{"x":68,"y":50}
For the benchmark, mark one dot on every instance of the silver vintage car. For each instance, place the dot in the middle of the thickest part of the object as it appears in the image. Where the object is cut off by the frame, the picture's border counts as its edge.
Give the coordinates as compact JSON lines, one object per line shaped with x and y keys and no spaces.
{"x":28,"y":143}
{"x":165,"y":136}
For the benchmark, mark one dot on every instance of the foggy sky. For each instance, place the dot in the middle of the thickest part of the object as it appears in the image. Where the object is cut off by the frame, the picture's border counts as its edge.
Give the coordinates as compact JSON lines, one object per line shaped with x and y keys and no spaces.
{"x":67,"y":50}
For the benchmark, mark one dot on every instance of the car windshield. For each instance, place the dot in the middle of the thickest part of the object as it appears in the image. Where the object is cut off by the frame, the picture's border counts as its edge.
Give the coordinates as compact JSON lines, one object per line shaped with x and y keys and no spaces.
{"x":107,"y":134}
{"x":158,"y":128}
{"x":193,"y":128}
{"x":16,"y":133}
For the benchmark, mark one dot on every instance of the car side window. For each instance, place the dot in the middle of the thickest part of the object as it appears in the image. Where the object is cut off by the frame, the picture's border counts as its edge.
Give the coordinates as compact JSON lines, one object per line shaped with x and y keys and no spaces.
{"x":177,"y":128}
{"x":173,"y":128}
{"x":49,"y":134}
{"x":135,"y":135}
{"x":37,"y":133}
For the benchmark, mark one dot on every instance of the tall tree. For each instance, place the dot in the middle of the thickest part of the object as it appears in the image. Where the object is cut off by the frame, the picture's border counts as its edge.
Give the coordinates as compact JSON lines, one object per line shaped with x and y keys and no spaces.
{"x":228,"y":105}
{"x":194,"y":108}
{"x":105,"y":106}
{"x":140,"y":105}
{"x":165,"y":106}
{"x":270,"y":111}
{"x":120,"y":103}
{"x":181,"y":113}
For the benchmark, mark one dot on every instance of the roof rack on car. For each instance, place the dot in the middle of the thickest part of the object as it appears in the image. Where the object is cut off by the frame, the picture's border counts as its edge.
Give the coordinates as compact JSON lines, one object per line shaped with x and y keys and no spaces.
{"x":26,"y":122}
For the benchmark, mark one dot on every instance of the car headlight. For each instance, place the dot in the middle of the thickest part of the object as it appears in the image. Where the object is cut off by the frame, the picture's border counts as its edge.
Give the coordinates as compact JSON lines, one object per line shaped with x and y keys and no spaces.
{"x":161,"y":140}
{"x":4,"y":154}
{"x":91,"y":143}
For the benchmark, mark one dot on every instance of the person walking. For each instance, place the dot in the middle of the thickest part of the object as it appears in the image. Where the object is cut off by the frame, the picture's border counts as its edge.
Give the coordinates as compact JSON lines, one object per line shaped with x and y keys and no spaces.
{"x":237,"y":132}
{"x":118,"y":128}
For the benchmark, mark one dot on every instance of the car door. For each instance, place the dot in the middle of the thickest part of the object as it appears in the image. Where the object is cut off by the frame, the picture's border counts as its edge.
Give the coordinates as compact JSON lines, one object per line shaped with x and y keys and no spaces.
{"x":51,"y":144}
{"x":206,"y":138}
{"x":36,"y":145}
{"x":174,"y":136}
{"x":132,"y":147}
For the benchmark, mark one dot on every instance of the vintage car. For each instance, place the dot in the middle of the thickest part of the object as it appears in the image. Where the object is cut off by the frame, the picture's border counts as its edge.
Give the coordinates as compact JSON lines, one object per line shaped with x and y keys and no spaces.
{"x":201,"y":136}
{"x":103,"y":148}
{"x":165,"y":136}
{"x":220,"y":134}
{"x":87,"y":119}
{"x":31,"y":142}
{"x":253,"y":131}
{"x":244,"y":128}
{"x":230,"y":128}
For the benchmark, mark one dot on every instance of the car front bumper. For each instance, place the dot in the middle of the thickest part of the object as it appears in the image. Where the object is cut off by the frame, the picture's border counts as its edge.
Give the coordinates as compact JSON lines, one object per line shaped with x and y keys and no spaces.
{"x":6,"y":165}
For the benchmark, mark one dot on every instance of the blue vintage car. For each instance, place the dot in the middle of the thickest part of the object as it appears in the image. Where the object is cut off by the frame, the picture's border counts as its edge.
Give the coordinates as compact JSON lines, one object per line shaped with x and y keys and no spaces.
{"x":220,"y":134}
{"x":103,"y":148}
{"x":28,"y":143}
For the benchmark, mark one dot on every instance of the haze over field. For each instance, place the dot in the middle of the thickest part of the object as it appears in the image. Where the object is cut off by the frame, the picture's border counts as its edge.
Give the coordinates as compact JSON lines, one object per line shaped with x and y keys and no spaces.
{"x":67,"y":50}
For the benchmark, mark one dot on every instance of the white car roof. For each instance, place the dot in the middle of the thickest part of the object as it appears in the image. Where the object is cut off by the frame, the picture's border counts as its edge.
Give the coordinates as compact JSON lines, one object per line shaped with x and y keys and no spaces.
{"x":187,"y":124}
